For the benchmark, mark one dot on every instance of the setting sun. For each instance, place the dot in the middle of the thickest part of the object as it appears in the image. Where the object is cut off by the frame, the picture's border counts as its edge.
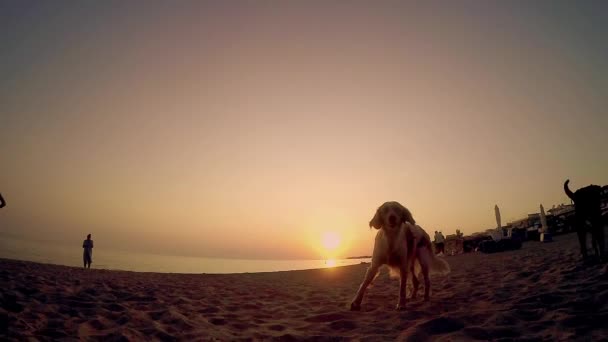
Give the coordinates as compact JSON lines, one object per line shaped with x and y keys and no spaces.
{"x":330,"y":240}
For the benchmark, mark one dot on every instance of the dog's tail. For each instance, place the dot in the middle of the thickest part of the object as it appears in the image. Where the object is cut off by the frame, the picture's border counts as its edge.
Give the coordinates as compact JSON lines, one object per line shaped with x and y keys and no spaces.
{"x":567,"y":190}
{"x":438,"y":265}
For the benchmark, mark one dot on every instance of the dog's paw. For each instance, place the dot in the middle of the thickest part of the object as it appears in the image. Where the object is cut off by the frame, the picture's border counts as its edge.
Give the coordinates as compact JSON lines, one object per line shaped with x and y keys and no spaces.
{"x":355,"y":306}
{"x":400,"y":307}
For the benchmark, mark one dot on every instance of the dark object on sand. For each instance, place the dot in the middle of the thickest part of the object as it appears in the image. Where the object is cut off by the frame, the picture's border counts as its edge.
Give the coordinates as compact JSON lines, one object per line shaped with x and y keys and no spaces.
{"x":588,"y":217}
{"x":546,"y":237}
{"x":2,"y":202}
{"x":491,"y":246}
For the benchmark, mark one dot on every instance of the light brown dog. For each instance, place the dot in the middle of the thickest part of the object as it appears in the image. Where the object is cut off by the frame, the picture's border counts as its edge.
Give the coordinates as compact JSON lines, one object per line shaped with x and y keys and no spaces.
{"x":403,"y":246}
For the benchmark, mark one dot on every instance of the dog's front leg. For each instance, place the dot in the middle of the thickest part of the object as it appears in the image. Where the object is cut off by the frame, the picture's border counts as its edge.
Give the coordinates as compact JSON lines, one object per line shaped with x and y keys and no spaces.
{"x":402,"y":287}
{"x":355,"y":305}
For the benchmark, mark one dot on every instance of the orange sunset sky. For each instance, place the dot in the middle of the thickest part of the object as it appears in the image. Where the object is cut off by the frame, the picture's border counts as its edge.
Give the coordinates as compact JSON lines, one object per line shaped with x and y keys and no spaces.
{"x":275,"y":129}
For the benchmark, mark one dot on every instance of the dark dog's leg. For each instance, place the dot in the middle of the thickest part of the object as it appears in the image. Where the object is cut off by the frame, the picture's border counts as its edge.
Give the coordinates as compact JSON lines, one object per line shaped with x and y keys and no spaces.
{"x":402,"y":287}
{"x":369,"y":276}
{"x":594,"y":246}
{"x":601,"y":242}
{"x":582,"y":238}
{"x":597,"y":233}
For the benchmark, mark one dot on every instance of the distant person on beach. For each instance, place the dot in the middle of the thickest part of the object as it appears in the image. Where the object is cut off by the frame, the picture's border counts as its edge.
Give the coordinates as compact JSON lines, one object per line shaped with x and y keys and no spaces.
{"x":439,"y":243}
{"x":2,"y":202}
{"x":87,"y":254}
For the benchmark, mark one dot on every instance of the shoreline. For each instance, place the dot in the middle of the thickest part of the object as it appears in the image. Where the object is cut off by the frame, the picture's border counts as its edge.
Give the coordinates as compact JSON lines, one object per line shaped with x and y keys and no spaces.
{"x":146,"y":262}
{"x":180,"y":273}
{"x":93,"y":268}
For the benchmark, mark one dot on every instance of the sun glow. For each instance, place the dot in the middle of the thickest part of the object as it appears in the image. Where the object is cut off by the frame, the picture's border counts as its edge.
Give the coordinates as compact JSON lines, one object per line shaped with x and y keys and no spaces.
{"x":330,"y":241}
{"x":329,"y":238}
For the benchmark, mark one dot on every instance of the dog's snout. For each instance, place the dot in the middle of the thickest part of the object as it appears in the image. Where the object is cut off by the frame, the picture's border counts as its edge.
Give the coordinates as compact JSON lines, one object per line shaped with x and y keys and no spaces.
{"x":392,"y":220}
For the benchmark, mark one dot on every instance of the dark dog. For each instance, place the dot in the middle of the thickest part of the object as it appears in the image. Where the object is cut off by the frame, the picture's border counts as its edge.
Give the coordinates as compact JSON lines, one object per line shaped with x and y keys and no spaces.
{"x":588,"y":217}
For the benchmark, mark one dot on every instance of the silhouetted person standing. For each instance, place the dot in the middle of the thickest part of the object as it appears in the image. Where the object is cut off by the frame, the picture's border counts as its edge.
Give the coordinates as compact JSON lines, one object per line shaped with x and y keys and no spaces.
{"x":2,"y":202}
{"x":439,"y":243}
{"x":87,"y":254}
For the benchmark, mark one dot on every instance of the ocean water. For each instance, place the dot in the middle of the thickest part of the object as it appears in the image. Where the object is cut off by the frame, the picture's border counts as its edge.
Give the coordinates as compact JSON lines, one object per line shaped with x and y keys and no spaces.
{"x":19,"y":249}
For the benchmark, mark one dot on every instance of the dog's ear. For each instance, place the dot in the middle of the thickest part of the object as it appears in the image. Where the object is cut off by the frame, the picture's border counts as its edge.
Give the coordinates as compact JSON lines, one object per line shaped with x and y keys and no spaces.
{"x":376,"y":221}
{"x":406,"y":215}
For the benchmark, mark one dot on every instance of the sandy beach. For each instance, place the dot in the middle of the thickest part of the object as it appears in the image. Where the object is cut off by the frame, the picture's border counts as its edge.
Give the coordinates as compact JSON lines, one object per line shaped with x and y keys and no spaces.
{"x":541,"y":292}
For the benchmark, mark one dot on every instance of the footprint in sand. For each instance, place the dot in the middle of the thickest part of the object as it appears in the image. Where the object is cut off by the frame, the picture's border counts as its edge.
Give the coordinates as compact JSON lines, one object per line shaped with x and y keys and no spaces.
{"x":477,"y":333}
{"x":529,"y":315}
{"x":97,"y":324}
{"x":547,"y":299}
{"x":123,"y":319}
{"x":505,"y":318}
{"x":209,"y":310}
{"x":9,"y":303}
{"x":217,"y":321}
{"x":503,"y":332}
{"x":343,"y":325}
{"x":64,"y":310}
{"x":541,"y":326}
{"x":584,"y":321}
{"x":240,"y":326}
{"x":328,"y":317}
{"x":156,"y":315}
{"x":251,"y":306}
{"x":277,"y":327}
{"x":115,"y":307}
{"x":159,"y":334}
{"x":53,"y":334}
{"x":441,"y":325}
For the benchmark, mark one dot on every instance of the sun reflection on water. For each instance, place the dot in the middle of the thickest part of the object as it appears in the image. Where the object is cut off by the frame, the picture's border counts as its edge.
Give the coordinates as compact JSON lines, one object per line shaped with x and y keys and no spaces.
{"x":330,"y":263}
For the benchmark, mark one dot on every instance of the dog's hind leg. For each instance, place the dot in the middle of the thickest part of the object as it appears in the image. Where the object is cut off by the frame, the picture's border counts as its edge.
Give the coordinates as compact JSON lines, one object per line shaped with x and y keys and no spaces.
{"x":402,"y":287}
{"x":597,"y":233}
{"x":601,"y":243}
{"x":425,"y":260}
{"x":594,"y":245}
{"x":582,"y":238}
{"x":427,"y":282}
{"x":355,"y":305}
{"x":415,"y":282}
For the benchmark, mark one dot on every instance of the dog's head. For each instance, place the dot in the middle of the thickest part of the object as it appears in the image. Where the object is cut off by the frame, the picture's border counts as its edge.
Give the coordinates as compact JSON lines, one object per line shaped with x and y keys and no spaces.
{"x":391,"y":215}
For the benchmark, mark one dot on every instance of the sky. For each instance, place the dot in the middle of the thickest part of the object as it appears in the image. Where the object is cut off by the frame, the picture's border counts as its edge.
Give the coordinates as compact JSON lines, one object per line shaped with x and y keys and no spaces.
{"x":254,"y":129}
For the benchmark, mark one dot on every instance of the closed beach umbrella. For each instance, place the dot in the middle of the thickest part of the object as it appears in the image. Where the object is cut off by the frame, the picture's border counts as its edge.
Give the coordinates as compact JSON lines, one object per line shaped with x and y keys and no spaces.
{"x":497,"y":212}
{"x":497,"y":233}
{"x":543,"y":220}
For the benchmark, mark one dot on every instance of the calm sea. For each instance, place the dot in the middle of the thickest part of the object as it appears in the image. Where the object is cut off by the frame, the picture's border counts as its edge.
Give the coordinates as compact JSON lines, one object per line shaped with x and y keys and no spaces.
{"x":19,"y":249}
